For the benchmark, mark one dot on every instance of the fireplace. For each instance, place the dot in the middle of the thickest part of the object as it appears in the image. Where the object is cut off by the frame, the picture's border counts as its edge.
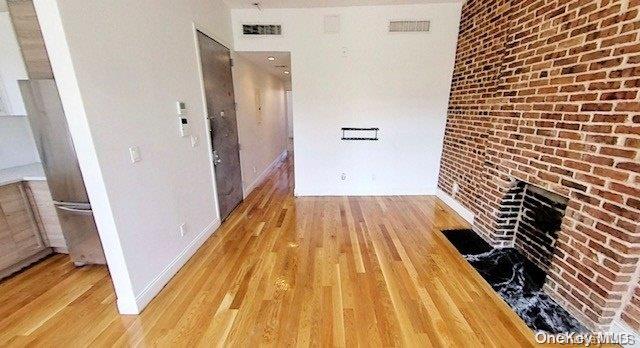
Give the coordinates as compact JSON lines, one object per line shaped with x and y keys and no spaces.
{"x":539,"y":220}
{"x":533,"y":217}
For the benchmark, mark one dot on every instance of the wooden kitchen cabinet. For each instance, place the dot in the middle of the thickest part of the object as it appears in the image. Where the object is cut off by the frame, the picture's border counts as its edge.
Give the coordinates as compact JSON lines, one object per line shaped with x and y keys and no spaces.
{"x":46,"y":215}
{"x":20,"y":240}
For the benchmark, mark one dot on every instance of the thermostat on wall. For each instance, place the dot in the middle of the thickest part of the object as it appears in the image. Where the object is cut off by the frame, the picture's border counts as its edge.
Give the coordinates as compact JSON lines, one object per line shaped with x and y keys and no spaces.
{"x":182,"y":107}
{"x":183,"y":121}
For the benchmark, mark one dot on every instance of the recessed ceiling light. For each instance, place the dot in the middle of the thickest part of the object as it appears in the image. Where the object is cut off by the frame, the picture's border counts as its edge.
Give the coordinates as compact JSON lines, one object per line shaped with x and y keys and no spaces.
{"x":271,"y":58}
{"x":286,"y":72}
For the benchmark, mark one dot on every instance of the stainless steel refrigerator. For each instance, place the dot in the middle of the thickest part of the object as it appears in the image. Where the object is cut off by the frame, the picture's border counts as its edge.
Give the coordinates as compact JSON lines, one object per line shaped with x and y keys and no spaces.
{"x":60,"y":163}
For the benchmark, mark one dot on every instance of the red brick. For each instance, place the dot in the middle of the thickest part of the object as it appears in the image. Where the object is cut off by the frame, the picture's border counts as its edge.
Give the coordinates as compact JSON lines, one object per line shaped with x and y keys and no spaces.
{"x":610,"y":173}
{"x":619,"y":95}
{"x":632,"y":166}
{"x":620,"y":211}
{"x":628,"y":106}
{"x":635,"y":192}
{"x":597,"y":107}
{"x":612,"y":151}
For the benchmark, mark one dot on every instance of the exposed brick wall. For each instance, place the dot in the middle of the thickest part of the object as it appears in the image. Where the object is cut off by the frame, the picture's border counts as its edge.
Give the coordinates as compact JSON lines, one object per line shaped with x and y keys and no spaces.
{"x":547,"y":92}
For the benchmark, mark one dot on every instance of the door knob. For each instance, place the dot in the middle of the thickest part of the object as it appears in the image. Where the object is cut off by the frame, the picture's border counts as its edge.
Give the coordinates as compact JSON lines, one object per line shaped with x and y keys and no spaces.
{"x":216,"y":158}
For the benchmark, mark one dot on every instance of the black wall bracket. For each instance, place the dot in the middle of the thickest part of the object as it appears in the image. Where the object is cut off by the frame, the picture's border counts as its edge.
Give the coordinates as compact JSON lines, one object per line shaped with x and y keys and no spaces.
{"x":352,"y":133}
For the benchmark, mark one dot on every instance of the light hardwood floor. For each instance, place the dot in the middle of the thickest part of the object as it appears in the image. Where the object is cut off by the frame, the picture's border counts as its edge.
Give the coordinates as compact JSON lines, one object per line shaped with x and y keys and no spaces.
{"x":368,"y":271}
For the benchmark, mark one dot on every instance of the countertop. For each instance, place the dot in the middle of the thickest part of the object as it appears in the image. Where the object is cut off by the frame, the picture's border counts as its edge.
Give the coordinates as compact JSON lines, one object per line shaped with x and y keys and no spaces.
{"x":29,"y":172}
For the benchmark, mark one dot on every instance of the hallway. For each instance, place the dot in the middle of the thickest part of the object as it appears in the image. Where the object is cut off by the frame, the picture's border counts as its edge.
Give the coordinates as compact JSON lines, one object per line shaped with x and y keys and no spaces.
{"x":341,"y":271}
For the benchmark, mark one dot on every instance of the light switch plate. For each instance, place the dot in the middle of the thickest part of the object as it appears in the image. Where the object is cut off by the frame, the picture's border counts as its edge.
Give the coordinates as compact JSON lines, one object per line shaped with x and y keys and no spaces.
{"x":134,"y":153}
{"x":183,"y":229}
{"x":331,"y":24}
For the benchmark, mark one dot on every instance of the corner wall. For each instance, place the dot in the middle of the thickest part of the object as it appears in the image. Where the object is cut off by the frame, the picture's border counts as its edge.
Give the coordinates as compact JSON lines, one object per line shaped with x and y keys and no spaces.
{"x":120,"y":67}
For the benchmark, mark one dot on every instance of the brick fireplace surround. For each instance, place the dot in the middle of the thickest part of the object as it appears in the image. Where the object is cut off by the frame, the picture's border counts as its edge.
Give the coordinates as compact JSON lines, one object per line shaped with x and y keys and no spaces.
{"x":547,"y":93}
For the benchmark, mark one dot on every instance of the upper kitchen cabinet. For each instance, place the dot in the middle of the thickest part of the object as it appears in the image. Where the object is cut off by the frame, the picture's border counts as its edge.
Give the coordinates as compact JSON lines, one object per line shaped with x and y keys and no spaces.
{"x":25,"y":23}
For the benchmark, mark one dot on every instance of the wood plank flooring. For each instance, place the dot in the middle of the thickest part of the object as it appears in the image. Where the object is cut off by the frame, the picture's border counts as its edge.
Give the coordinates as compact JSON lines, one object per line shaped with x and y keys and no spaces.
{"x":322,"y":271}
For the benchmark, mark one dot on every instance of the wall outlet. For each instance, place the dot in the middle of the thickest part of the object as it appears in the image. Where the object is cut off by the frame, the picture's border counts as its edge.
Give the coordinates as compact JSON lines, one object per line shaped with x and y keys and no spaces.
{"x":455,"y":188}
{"x":183,"y":229}
{"x":194,"y":141}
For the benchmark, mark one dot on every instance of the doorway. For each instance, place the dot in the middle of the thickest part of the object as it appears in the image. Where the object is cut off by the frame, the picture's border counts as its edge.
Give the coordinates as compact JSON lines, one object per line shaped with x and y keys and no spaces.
{"x":221,"y":113}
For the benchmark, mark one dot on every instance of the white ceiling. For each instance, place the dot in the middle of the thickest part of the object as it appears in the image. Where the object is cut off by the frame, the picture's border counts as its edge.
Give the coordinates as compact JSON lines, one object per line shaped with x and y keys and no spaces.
{"x":260,"y":59}
{"x":324,"y":3}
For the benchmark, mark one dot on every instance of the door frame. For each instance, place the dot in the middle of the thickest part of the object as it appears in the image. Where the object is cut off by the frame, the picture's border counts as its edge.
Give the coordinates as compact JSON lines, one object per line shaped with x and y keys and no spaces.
{"x":203,"y":99}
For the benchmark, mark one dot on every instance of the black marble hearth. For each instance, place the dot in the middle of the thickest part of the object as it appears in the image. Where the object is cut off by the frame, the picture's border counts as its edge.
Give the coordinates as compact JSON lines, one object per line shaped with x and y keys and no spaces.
{"x":517,"y":280}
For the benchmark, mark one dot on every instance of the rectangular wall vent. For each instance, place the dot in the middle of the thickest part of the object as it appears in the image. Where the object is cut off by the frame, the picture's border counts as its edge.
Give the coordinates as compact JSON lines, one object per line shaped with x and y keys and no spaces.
{"x":409,"y":26}
{"x":262,"y":29}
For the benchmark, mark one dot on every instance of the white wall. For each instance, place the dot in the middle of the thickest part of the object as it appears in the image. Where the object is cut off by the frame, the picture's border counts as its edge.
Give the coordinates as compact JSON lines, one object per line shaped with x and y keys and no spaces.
{"x":12,"y":66}
{"x":289,"y":101}
{"x":17,"y":146}
{"x":262,"y":133}
{"x":120,"y":67}
{"x":398,"y":82}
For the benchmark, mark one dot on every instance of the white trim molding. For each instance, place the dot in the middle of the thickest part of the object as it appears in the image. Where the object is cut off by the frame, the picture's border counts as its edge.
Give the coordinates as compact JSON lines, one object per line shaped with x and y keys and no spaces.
{"x":137,"y":304}
{"x":345,"y":190}
{"x":456,"y":206}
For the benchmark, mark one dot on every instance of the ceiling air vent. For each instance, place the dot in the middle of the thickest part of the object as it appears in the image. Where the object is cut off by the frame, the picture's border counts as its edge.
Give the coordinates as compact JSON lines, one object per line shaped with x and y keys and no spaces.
{"x":409,"y":26}
{"x":262,"y":29}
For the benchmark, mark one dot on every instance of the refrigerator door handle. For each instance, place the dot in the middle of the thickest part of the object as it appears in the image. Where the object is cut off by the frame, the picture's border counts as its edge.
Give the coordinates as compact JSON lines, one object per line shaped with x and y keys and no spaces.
{"x":74,"y":210}
{"x":77,"y":205}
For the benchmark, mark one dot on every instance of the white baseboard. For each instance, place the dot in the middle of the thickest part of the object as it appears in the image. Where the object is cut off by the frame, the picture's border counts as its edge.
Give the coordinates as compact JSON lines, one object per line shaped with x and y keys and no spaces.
{"x":127,"y":306}
{"x":247,"y":190}
{"x":456,"y":206}
{"x":135,"y":306}
{"x":619,"y":326}
{"x":355,"y":192}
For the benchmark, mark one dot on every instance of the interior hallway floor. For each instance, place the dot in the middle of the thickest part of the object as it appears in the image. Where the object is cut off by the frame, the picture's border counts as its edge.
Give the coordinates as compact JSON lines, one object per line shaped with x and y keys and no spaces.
{"x":341,"y":271}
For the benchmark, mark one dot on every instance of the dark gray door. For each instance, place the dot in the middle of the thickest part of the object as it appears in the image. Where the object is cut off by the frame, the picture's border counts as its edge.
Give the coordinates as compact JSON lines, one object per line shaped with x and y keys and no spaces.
{"x":218,"y":87}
